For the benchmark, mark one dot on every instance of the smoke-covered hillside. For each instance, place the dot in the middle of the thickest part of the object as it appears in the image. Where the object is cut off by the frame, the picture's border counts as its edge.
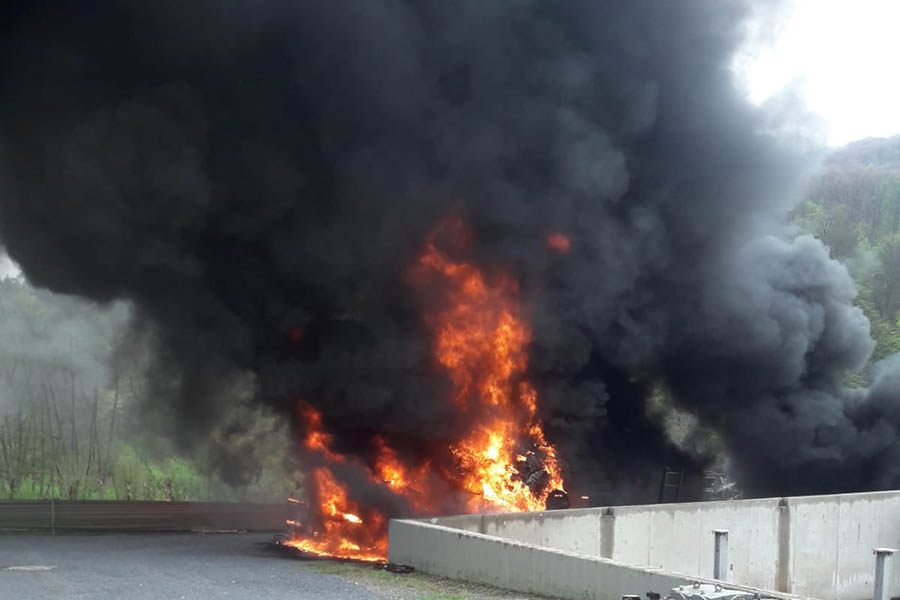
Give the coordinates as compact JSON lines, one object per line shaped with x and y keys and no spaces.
{"x":72,"y":390}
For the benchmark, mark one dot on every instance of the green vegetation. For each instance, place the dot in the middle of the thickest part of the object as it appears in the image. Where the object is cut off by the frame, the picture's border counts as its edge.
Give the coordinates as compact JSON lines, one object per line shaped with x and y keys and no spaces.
{"x":74,"y":422}
{"x":853,"y":206}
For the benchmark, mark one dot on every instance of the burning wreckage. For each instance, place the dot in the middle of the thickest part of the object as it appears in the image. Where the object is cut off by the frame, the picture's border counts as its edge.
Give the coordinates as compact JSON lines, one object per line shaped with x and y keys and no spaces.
{"x":502,"y":461}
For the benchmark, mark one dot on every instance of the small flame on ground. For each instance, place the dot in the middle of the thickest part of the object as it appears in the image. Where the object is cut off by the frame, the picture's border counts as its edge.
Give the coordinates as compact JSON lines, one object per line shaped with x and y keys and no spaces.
{"x":480,"y":340}
{"x":339,"y":531}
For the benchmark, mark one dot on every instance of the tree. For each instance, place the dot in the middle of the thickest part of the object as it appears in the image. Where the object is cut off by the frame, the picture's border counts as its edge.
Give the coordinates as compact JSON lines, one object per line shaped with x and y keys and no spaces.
{"x":831,"y":223}
{"x":886,"y":287}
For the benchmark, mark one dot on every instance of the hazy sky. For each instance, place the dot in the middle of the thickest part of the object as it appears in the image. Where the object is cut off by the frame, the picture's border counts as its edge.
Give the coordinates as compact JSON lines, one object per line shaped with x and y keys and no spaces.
{"x":7,"y":268}
{"x":842,"y":55}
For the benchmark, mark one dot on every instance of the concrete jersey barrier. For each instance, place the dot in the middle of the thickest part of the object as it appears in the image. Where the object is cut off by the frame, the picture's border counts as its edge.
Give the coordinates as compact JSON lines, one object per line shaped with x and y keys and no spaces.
{"x":514,"y":565}
{"x":817,"y":546}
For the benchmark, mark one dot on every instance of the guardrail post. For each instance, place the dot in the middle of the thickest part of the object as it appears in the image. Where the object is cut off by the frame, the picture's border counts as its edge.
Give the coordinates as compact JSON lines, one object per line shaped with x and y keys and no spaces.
{"x":720,"y":557}
{"x":881,"y":573}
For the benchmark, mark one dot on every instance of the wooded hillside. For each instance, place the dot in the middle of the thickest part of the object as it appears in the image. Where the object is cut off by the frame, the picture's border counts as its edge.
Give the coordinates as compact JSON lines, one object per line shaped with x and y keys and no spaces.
{"x":853,"y":206}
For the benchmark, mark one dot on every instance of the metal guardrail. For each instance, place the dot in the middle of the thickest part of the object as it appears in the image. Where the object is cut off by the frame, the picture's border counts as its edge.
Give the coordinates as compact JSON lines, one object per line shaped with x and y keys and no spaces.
{"x":99,"y":515}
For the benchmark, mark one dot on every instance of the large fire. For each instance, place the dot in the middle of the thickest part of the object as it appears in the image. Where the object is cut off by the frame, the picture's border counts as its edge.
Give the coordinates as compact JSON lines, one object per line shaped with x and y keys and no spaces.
{"x":502,"y":462}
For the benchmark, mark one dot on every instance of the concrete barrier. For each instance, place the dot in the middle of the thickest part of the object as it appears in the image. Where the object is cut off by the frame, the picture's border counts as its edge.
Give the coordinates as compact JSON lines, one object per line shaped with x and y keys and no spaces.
{"x":679,"y":537}
{"x":817,"y":546}
{"x":831,"y":540}
{"x":140,"y":516}
{"x":529,"y":568}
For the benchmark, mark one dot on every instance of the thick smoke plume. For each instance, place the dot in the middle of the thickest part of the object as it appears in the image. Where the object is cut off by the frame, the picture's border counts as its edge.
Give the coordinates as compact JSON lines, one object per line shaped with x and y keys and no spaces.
{"x":257,"y":177}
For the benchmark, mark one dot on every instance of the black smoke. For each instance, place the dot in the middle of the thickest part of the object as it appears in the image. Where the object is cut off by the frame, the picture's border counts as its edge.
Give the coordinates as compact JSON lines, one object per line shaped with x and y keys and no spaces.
{"x":257,"y":178}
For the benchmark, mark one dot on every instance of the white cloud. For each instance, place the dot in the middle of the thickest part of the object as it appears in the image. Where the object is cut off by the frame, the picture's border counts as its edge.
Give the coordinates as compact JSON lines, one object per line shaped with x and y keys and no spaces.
{"x":842,"y":55}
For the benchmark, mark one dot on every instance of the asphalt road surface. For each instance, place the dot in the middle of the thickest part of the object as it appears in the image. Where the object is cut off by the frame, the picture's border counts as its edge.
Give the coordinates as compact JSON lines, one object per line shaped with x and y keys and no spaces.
{"x":162,"y":566}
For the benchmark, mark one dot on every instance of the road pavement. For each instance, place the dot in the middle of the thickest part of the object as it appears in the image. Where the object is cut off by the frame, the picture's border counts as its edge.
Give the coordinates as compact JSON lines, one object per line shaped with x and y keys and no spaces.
{"x":162,"y":566}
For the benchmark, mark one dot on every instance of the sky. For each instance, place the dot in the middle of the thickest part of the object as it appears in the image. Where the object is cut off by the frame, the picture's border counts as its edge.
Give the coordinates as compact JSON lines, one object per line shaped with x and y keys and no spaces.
{"x":7,"y":267}
{"x":841,"y":55}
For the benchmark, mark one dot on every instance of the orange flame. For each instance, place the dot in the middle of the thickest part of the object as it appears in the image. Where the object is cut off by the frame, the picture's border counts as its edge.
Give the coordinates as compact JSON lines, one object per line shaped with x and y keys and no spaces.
{"x":559,"y":242}
{"x":316,"y":438}
{"x":342,"y":533}
{"x":404,"y":481}
{"x":480,"y":340}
